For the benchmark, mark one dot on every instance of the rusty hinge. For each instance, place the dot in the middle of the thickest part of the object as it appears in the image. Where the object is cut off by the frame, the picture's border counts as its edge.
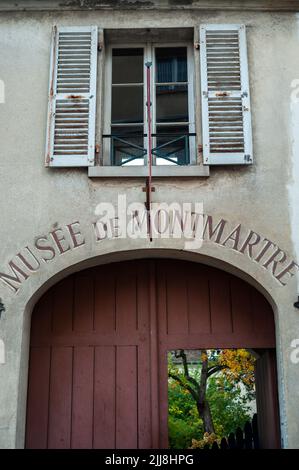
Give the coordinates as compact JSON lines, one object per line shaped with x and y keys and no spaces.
{"x":200,"y":148}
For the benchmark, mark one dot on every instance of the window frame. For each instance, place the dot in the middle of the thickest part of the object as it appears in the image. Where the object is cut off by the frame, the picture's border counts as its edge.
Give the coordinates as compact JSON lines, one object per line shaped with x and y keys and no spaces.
{"x":191,"y":94}
{"x":149,"y":56}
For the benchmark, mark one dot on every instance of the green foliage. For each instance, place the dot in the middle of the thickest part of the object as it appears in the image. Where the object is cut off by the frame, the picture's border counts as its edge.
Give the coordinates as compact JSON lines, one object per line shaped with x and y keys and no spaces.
{"x":228,"y":395}
{"x":181,"y":433}
{"x":229,"y":405}
{"x":184,"y":423}
{"x":180,"y":402}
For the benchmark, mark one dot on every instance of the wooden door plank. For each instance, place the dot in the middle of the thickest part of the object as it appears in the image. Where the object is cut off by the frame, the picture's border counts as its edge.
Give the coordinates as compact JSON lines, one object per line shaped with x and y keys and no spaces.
{"x":263,"y":320}
{"x":105,"y":309}
{"x":42,"y":324}
{"x":63,"y":303}
{"x":60,"y":398}
{"x":145,"y":351}
{"x":177,"y":304}
{"x":242,"y":316}
{"x":38,"y":399}
{"x":104,"y":398}
{"x":82,"y":402}
{"x":83,"y":302}
{"x":198,"y":301}
{"x":126,"y":398}
{"x":221,"y":315}
{"x":126,"y":299}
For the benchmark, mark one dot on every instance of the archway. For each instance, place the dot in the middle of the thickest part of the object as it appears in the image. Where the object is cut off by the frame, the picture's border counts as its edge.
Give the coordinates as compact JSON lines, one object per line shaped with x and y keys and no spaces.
{"x":99,"y":342}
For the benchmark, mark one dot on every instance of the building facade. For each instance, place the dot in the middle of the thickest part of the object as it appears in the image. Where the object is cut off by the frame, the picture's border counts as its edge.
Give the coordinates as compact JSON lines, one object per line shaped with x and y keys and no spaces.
{"x":188,"y":108}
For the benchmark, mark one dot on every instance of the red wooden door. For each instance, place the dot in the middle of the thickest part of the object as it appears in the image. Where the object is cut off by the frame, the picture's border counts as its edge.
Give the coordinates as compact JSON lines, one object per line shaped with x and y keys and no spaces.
{"x":89,"y":380}
{"x":99,"y":342}
{"x":202,"y":307}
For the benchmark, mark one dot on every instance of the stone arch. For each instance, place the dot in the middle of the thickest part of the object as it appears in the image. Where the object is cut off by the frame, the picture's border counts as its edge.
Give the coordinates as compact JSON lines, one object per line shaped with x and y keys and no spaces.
{"x":129,"y":255}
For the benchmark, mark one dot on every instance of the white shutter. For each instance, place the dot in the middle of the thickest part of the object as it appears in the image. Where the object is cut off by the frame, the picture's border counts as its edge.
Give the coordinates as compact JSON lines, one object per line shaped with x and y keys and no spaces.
{"x":226,"y":116}
{"x":72,"y":97}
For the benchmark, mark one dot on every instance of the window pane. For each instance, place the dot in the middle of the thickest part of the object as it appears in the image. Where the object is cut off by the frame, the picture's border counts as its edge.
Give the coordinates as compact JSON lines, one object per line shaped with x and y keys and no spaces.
{"x":171,"y":64}
{"x":127,"y":104}
{"x":127,"y":145}
{"x":172,"y":103}
{"x":127,"y":66}
{"x":172,"y":146}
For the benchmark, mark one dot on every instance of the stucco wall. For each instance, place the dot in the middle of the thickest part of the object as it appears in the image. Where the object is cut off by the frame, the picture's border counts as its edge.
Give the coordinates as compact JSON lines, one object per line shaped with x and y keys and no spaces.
{"x":35,"y":200}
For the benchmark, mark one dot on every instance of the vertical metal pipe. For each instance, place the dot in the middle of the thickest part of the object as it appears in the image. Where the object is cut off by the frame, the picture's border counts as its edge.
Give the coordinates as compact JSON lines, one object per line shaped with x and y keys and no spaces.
{"x":149,"y":137}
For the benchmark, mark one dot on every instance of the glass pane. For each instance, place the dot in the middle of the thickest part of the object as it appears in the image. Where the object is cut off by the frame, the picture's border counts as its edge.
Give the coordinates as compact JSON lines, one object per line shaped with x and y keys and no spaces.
{"x":127,"y":145}
{"x":127,"y":104}
{"x":171,"y":64}
{"x":127,"y":66}
{"x":172,"y":145}
{"x":172,"y":103}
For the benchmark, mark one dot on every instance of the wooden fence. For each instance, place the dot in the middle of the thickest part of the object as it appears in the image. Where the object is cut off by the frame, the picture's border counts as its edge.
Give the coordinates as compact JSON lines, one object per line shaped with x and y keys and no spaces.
{"x":240,"y":439}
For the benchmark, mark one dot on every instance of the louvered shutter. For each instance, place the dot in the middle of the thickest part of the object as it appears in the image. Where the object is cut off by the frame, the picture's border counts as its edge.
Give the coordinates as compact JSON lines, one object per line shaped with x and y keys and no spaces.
{"x":72,"y":97}
{"x":226,"y":117}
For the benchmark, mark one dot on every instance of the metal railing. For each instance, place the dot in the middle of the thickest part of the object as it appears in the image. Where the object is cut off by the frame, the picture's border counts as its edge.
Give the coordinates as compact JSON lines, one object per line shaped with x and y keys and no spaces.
{"x":124,"y":150}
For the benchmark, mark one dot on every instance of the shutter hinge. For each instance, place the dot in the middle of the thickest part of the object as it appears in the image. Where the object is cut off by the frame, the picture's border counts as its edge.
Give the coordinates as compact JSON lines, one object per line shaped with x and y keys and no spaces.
{"x":48,"y":160}
{"x":2,"y":307}
{"x":244,"y":94}
{"x":97,"y":152}
{"x":100,"y":46}
{"x":247,"y":158}
{"x":197,"y":46}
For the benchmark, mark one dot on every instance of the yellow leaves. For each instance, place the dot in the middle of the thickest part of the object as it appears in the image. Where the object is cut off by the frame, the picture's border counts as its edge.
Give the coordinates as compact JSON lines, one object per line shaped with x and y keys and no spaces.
{"x":207,"y":439}
{"x":204,"y":356}
{"x":239,"y":365}
{"x":175,"y":410}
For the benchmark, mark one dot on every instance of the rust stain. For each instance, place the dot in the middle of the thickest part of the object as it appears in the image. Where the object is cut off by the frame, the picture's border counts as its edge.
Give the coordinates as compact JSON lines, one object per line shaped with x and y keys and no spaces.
{"x":75,"y":97}
{"x":222,"y":93}
{"x":48,"y":160}
{"x":54,"y":61}
{"x":51,"y":97}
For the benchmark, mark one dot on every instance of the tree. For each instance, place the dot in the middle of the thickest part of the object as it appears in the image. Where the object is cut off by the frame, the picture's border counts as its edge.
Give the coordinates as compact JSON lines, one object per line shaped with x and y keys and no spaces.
{"x":233,"y":365}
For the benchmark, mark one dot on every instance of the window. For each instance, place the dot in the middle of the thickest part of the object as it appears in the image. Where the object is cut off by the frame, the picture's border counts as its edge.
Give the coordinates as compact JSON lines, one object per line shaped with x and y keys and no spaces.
{"x":127,"y":106}
{"x":120,"y":122}
{"x":172,"y":109}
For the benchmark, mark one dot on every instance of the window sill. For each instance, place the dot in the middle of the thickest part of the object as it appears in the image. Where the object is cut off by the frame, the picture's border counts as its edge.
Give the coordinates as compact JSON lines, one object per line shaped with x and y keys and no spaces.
{"x":188,"y":171}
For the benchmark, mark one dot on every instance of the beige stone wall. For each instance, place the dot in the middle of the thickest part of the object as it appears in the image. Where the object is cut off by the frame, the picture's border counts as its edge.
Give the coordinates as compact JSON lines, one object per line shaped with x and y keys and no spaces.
{"x":36,"y":200}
